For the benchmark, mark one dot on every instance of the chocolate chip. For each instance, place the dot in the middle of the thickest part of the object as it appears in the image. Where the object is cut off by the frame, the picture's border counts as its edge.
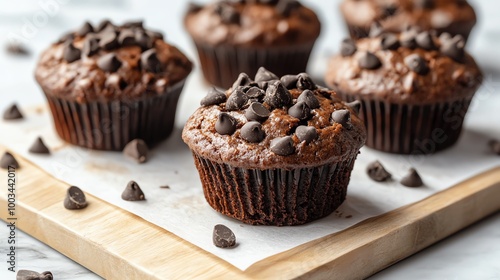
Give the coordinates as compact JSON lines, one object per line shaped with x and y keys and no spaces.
{"x":144,"y":40}
{"x":133,"y":192}
{"x":369,"y":61}
{"x":226,"y":124}
{"x":304,"y":81}
{"x":90,"y":47}
{"x":257,"y":112}
{"x":150,"y":61}
{"x":71,"y":53}
{"x":12,"y":113}
{"x":109,"y":62}
{"x":17,"y":48}
{"x":495,"y":146}
{"x":377,"y":172}
{"x":355,"y":105}
{"x":134,"y":24}
{"x":33,"y":275}
{"x":255,"y":92}
{"x":376,"y":30}
{"x":8,"y":160}
{"x":194,"y":7}
{"x":417,"y":64}
{"x":228,"y":13}
{"x":265,"y":75}
{"x":39,"y":147}
{"x":109,"y":40}
{"x":277,"y":95}
{"x":85,"y":29}
{"x":252,"y":132}
{"x":348,"y":47}
{"x":127,"y":38}
{"x":285,"y":7}
{"x":412,"y":179}
{"x":67,"y":37}
{"x":454,"y":48}
{"x":75,"y":199}
{"x":282,"y":146}
{"x":408,"y":39}
{"x":103,"y":24}
{"x":213,"y":97}
{"x":300,"y":111}
{"x":389,"y":42}
{"x":289,"y":81}
{"x":243,"y":80}
{"x":137,"y":150}
{"x":236,"y":100}
{"x":223,"y":237}
{"x":155,"y":34}
{"x":306,"y":133}
{"x":342,"y":117}
{"x":423,"y":4}
{"x":309,"y":98}
{"x":425,"y":41}
{"x":390,"y":10}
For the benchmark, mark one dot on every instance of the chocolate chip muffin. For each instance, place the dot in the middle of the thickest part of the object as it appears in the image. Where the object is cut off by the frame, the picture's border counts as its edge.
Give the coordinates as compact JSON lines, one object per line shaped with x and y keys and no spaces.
{"x":240,"y":36}
{"x":415,"y":88}
{"x":107,"y":85}
{"x":456,"y":17}
{"x":274,"y":151}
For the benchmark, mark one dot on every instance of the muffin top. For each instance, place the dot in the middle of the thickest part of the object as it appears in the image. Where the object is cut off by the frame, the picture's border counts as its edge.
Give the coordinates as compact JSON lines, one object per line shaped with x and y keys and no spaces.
{"x":394,"y":15}
{"x":110,"y":62}
{"x":252,"y":23}
{"x":275,"y":123}
{"x":405,"y":67}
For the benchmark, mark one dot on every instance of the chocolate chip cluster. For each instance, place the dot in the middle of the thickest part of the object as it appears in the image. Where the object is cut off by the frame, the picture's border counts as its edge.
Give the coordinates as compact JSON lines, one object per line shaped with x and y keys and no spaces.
{"x":452,"y":47}
{"x":267,"y":92}
{"x":107,"y":36}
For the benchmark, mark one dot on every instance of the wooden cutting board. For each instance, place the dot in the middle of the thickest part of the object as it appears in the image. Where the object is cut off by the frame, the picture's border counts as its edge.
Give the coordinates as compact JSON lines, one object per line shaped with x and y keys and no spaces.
{"x":119,"y":245}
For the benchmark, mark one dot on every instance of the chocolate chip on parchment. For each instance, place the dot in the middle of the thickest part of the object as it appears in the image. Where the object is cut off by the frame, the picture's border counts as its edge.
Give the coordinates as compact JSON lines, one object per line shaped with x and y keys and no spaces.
{"x":300,"y":111}
{"x":127,"y":38}
{"x":39,"y":147}
{"x":454,"y":48}
{"x":355,"y":105}
{"x":71,"y":53}
{"x":150,"y":61}
{"x":425,"y":41}
{"x":24,"y":274}
{"x":304,"y":81}
{"x":377,"y":172}
{"x":109,"y":62}
{"x":412,"y":179}
{"x":309,"y":98}
{"x":289,"y":81}
{"x":85,"y":29}
{"x":264,"y":75}
{"x":306,"y":133}
{"x":12,"y":113}
{"x":90,"y":47}
{"x":282,"y":146}
{"x":277,"y":95}
{"x":376,"y":30}
{"x":236,"y":100}
{"x":257,"y":112}
{"x":223,"y":237}
{"x":252,"y":132}
{"x":495,"y":146}
{"x":17,"y":48}
{"x":8,"y":160}
{"x":137,"y":150}
{"x":213,"y":97}
{"x":342,"y":117}
{"x":348,"y":47}
{"x":226,"y":124}
{"x":369,"y":61}
{"x":133,"y":192}
{"x":389,"y":41}
{"x":417,"y":64}
{"x":75,"y":199}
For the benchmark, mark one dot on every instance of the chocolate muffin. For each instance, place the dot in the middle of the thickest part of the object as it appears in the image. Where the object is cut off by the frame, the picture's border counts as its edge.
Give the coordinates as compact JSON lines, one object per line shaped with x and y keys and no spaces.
{"x":107,"y":85}
{"x":274,"y":151}
{"x":456,"y":17}
{"x":415,"y":88}
{"x":240,"y":36}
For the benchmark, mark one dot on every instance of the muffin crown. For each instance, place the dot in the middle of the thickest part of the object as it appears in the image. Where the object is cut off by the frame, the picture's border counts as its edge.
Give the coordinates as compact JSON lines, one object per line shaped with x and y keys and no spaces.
{"x":275,"y":123}
{"x":405,"y":67}
{"x":107,"y":62}
{"x":253,"y":23}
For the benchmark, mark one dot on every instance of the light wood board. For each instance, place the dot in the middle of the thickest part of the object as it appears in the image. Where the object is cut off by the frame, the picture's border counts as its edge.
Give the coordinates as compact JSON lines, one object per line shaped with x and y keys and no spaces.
{"x":119,"y":245}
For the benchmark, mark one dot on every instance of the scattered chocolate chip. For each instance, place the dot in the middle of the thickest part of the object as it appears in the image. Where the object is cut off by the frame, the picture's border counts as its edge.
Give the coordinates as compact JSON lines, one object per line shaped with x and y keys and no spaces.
{"x":144,"y":40}
{"x":304,"y":81}
{"x":282,"y":146}
{"x":306,"y":133}
{"x":255,"y":92}
{"x":193,"y":7}
{"x":369,"y":61}
{"x":109,"y":40}
{"x":408,"y":39}
{"x":71,"y":53}
{"x":348,"y":47}
{"x":213,"y":97}
{"x":137,"y":150}
{"x":17,"y":48}
{"x":389,"y":42}
{"x":342,"y":117}
{"x":85,"y":29}
{"x":412,"y":179}
{"x":8,"y":160}
{"x":226,"y":124}
{"x":300,"y":111}
{"x":355,"y":105}
{"x":252,"y":132}
{"x":223,"y":237}
{"x":134,"y":24}
{"x":289,"y":81}
{"x":377,"y":172}
{"x":423,"y":4}
{"x":150,"y":61}
{"x":257,"y":112}
{"x":309,"y":98}
{"x":454,"y":48}
{"x":39,"y":147}
{"x":75,"y":199}
{"x":495,"y":146}
{"x":24,"y":274}
{"x":265,"y":75}
{"x":425,"y":41}
{"x":109,"y":62}
{"x":277,"y":95}
{"x":133,"y":192}
{"x":103,"y":24}
{"x":285,"y":7}
{"x":12,"y":113}
{"x":376,"y":30}
{"x":236,"y":100}
{"x":127,"y":38}
{"x":90,"y":47}
{"x":417,"y":64}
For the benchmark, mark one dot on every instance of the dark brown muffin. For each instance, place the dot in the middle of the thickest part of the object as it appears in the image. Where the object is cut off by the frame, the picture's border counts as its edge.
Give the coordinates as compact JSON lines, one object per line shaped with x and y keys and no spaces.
{"x":415,"y":88}
{"x":274,"y":151}
{"x":456,"y":17}
{"x":240,"y":36}
{"x":107,"y":85}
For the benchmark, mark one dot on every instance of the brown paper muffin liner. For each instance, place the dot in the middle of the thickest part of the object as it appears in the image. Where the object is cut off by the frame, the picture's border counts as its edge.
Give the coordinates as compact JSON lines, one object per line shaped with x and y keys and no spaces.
{"x":274,"y":196}
{"x":411,"y":129}
{"x":222,"y":64}
{"x":111,"y":125}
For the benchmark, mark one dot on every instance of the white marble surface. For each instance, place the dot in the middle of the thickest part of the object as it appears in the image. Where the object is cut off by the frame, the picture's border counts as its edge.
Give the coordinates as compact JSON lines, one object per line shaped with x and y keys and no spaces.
{"x":473,"y":253}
